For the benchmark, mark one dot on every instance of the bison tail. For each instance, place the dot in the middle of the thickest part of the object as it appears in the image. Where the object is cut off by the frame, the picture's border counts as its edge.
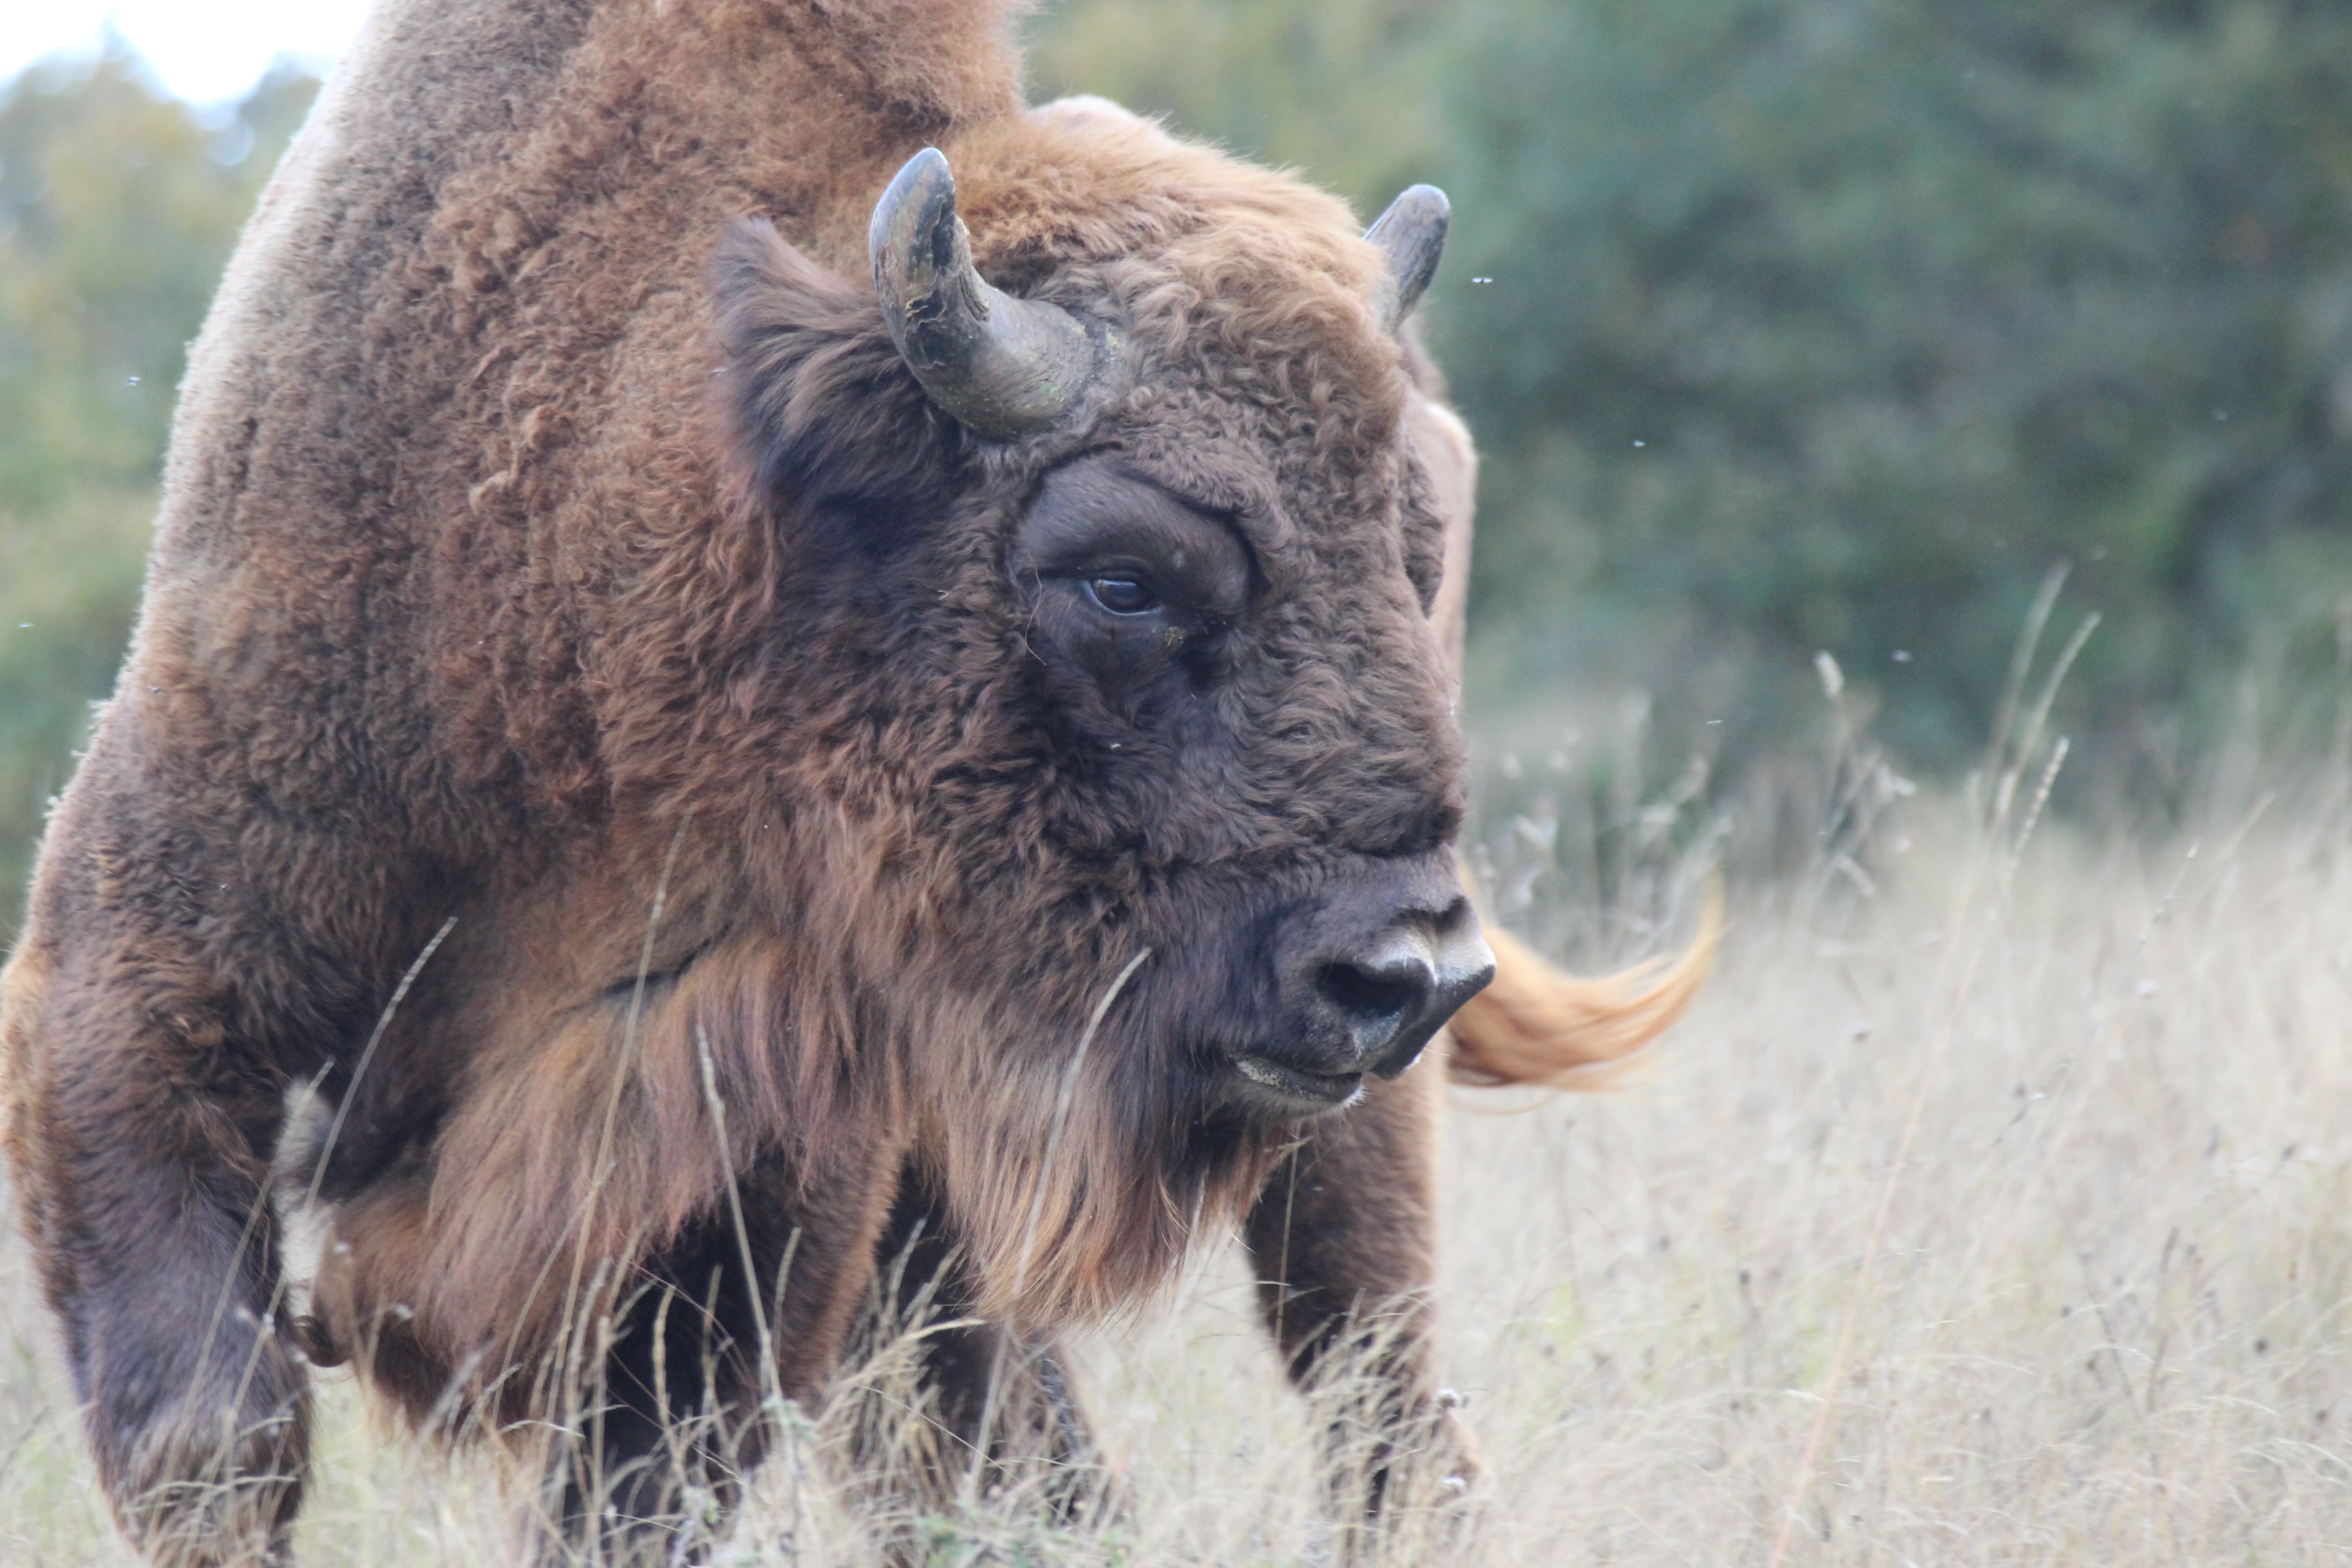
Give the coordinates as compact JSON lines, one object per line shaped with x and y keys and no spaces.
{"x":1534,"y":1024}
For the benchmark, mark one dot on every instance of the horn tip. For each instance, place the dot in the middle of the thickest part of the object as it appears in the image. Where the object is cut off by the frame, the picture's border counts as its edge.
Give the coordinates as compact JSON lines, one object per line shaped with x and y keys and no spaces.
{"x":1412,"y":233}
{"x":917,"y":203}
{"x":925,"y":167}
{"x":1415,"y":207}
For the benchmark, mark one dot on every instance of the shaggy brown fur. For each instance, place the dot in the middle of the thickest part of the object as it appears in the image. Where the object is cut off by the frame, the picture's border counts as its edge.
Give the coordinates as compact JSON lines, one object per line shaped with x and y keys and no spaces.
{"x":583,"y":732}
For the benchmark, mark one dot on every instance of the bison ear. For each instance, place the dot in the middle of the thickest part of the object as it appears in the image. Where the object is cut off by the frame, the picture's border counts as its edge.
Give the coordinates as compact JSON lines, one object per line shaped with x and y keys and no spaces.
{"x":823,"y":411}
{"x":1411,"y":233}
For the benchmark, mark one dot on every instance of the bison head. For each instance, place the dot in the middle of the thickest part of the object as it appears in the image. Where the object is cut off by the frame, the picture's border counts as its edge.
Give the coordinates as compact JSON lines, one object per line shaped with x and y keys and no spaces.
{"x":1097,"y":652}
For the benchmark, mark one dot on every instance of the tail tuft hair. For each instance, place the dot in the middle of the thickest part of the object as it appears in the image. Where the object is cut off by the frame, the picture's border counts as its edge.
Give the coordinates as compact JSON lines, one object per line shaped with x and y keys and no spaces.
{"x":1536,"y":1026}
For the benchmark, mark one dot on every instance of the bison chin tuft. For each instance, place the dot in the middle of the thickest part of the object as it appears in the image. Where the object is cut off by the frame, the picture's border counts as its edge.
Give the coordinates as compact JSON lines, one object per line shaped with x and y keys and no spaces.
{"x":1083,"y":1156}
{"x":1083,"y":1160}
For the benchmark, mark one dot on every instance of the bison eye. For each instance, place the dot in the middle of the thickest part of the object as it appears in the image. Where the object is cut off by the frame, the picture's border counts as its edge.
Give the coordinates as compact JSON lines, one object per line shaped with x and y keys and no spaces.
{"x":1121,"y":595}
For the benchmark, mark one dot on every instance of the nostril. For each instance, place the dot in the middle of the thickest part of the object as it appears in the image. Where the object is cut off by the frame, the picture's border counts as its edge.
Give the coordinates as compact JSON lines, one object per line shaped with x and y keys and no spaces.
{"x":1368,"y":995}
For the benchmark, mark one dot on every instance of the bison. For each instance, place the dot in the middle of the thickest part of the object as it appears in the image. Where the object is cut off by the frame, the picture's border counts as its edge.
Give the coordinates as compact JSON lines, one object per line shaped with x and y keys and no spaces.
{"x":765,"y":673}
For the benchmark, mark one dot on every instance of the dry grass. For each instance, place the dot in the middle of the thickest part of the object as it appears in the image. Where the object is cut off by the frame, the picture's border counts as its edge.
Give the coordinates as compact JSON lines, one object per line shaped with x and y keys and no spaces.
{"x":2004,"y":1172}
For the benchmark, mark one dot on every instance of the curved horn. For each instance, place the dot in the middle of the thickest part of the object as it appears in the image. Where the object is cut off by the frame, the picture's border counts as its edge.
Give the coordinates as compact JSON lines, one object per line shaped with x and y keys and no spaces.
{"x":1003,"y":366}
{"x":1412,"y":233}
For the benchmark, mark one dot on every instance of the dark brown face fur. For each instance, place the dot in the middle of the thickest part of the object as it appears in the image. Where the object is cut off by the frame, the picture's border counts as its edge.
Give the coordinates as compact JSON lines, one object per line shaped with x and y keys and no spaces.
{"x":1161,"y":682}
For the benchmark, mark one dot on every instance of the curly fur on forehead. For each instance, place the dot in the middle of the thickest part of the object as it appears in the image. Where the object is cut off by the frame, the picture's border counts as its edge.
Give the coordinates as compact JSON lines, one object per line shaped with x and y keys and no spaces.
{"x":1255,"y":282}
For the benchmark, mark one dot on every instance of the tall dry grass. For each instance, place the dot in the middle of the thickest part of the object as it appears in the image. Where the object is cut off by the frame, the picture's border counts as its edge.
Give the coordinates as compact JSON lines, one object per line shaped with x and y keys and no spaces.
{"x":1991,"y":1207}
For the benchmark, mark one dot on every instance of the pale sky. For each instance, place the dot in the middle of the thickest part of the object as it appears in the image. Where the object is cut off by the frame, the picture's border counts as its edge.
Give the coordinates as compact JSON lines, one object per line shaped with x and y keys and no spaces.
{"x":202,"y":50}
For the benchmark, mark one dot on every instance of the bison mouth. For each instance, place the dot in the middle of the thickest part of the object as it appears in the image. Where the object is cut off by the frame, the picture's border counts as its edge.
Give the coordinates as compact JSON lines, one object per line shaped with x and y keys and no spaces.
{"x":1352,"y":979}
{"x":1285,"y":1090}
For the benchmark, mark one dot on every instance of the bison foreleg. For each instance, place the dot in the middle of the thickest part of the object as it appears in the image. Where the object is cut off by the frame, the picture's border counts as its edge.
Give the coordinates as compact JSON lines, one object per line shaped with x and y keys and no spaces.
{"x":944,"y":1411}
{"x":653,"y":1464}
{"x":748,"y":1306}
{"x":142,"y":1152}
{"x":1343,"y":1240}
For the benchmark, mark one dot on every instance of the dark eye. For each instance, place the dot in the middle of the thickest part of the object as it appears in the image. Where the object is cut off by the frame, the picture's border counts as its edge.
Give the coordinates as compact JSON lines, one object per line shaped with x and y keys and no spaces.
{"x":1121,"y":595}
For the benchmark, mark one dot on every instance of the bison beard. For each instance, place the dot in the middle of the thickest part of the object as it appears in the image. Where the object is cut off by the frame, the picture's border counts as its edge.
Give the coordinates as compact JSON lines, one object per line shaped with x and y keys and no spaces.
{"x":672,"y":811}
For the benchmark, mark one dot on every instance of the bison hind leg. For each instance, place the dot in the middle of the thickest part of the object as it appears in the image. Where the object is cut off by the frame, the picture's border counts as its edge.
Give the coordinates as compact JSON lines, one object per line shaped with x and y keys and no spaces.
{"x":194,"y":1491}
{"x":142,"y":1187}
{"x":198,"y":1404}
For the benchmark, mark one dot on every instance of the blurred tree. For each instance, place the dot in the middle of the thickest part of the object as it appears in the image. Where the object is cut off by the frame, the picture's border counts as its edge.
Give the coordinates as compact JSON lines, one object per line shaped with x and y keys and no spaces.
{"x":1347,"y":92}
{"x":1833,"y":324}
{"x":118,"y":209}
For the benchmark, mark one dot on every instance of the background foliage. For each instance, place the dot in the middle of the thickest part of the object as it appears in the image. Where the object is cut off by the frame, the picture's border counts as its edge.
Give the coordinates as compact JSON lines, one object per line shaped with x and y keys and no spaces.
{"x":1799,"y":325}
{"x":1786,"y":326}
